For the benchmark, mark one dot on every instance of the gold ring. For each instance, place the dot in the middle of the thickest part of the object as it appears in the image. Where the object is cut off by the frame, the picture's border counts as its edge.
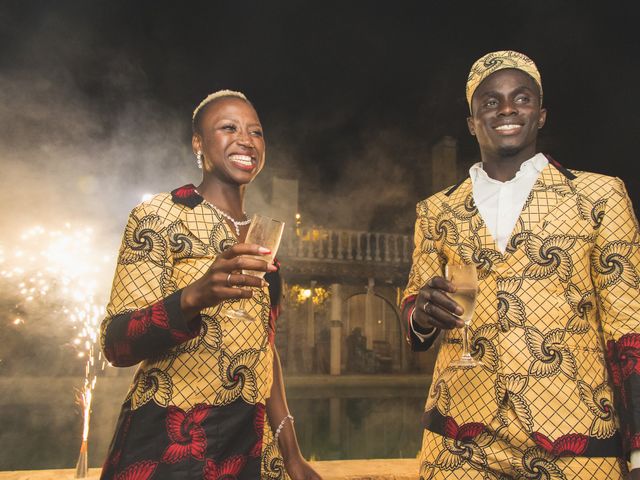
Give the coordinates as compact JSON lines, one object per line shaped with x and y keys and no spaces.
{"x":229,"y":280}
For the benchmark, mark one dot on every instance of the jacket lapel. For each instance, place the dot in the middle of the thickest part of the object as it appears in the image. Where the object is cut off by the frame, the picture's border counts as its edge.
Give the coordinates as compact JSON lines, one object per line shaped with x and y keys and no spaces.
{"x":477,"y":245}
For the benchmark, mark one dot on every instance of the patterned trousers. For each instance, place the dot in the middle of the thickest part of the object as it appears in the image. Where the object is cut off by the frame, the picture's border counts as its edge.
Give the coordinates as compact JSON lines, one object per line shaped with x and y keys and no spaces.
{"x":507,"y":453}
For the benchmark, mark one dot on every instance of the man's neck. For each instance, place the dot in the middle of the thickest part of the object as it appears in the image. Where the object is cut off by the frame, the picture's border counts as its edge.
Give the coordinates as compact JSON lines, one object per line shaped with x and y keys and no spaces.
{"x":504,"y":168}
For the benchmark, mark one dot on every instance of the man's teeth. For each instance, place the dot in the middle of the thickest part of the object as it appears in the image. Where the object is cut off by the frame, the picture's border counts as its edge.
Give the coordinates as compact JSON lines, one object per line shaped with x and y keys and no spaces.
{"x":508,"y":127}
{"x":242,"y":159}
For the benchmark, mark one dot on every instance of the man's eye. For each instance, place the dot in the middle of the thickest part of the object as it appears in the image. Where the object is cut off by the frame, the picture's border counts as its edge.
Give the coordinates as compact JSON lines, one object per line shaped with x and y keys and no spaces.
{"x":522,"y":99}
{"x":229,"y":128}
{"x":256,"y":133}
{"x":490,"y":103}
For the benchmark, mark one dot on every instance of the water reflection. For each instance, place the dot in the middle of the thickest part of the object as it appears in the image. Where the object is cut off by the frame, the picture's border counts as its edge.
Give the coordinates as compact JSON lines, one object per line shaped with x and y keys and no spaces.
{"x":41,"y":424}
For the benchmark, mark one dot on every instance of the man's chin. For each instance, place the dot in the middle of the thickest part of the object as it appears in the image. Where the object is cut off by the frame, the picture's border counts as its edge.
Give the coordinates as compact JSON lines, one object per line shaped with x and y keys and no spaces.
{"x":508,"y":151}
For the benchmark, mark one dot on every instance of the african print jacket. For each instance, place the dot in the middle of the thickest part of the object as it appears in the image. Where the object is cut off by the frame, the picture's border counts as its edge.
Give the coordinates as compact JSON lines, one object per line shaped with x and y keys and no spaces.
{"x":196,"y":408}
{"x":557,"y":318}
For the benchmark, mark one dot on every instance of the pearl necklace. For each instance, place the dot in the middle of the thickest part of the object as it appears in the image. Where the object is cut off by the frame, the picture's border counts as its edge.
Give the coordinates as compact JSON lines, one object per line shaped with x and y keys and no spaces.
{"x":236,"y":223}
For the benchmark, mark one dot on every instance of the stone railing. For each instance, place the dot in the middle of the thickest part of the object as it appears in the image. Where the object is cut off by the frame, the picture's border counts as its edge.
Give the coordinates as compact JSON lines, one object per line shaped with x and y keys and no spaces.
{"x":346,"y":246}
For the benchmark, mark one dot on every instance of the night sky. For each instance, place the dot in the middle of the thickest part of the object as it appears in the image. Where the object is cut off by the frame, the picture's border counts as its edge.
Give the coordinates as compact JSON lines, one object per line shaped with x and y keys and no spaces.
{"x":97,"y":95}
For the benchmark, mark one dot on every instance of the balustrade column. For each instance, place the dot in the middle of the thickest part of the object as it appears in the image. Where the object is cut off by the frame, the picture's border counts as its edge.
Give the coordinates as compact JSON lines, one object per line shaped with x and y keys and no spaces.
{"x":368,"y":314}
{"x":336,"y":330}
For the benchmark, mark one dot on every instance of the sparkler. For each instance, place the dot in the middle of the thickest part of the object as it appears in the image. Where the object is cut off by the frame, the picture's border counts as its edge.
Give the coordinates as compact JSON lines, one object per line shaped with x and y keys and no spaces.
{"x":61,"y":266}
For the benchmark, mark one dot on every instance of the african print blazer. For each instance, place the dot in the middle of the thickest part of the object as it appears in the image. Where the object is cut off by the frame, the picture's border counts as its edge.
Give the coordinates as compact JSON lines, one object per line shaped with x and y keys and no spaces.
{"x":196,"y":407}
{"x":557,"y":316}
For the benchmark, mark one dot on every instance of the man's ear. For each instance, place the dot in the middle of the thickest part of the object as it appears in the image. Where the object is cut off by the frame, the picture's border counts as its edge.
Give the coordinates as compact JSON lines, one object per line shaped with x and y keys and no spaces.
{"x":542,"y":118}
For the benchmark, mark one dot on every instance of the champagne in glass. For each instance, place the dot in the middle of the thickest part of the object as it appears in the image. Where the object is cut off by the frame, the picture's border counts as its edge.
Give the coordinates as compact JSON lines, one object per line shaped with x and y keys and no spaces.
{"x":266,"y":232}
{"x":465,"y":279}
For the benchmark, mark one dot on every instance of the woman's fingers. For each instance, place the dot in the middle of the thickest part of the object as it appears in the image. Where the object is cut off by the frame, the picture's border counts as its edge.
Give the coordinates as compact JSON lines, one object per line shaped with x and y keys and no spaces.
{"x":242,"y":280}
{"x":240,"y":249}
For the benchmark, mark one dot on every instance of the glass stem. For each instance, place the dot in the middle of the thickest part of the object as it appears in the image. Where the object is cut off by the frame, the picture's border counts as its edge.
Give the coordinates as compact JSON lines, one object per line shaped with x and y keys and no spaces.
{"x":465,"y":341}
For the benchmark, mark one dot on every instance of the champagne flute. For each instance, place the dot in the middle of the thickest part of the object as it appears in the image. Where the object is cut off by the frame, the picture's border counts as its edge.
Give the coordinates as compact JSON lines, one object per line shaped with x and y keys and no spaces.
{"x":266,"y":232}
{"x":465,"y":279}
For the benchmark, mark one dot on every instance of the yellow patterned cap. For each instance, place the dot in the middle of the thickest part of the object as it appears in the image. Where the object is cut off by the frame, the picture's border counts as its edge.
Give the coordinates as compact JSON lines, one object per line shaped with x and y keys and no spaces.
{"x":494,"y":61}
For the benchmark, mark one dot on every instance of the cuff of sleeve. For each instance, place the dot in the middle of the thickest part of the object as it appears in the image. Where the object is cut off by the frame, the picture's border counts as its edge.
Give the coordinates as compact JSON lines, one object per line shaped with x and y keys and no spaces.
{"x":180,"y":327}
{"x":635,"y":459}
{"x":423,"y":334}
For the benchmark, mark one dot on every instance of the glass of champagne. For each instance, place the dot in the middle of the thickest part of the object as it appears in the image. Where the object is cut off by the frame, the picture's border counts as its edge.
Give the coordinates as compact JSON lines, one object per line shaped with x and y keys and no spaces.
{"x":266,"y":232}
{"x":465,"y":279}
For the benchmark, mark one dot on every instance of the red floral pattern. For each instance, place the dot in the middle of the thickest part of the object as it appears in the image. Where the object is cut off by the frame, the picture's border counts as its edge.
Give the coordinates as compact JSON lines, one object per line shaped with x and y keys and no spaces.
{"x":228,"y":469}
{"x":185,"y":191}
{"x":188,"y":438}
{"x":566,"y":445}
{"x":141,"y":320}
{"x":629,"y":354}
{"x":465,"y":432}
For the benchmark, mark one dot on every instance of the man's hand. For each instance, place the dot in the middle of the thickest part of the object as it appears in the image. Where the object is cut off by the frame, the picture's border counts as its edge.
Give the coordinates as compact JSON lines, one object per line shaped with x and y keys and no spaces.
{"x":434,"y":308}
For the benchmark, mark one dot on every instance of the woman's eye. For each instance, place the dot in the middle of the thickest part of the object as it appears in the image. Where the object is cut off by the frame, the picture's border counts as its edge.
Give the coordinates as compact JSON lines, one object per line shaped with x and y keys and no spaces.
{"x":229,"y":128}
{"x":490,"y":103}
{"x":256,"y":133}
{"x":522,"y":99}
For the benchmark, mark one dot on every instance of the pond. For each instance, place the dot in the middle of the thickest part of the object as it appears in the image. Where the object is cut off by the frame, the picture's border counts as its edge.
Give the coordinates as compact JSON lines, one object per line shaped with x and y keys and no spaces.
{"x":337,"y":418}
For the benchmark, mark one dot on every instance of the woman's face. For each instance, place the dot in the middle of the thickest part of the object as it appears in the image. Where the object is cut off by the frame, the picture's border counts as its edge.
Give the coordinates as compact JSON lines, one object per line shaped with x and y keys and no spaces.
{"x":231,"y":141}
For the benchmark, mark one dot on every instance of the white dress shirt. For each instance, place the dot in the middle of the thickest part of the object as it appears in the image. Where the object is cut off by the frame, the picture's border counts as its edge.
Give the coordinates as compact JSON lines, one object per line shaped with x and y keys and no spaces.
{"x":500,"y":205}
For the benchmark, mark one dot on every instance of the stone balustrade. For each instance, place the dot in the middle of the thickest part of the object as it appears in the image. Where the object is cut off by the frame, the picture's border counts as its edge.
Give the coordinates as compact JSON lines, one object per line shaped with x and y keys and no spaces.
{"x":346,"y":246}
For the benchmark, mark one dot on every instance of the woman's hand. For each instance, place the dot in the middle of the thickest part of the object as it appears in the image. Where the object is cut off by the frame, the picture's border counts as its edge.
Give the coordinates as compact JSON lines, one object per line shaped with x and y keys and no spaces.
{"x":223,"y":278}
{"x":434,"y":308}
{"x":299,"y":469}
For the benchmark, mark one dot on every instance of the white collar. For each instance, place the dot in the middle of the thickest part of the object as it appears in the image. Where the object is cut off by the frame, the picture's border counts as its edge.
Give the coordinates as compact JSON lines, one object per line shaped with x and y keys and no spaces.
{"x":537,"y":163}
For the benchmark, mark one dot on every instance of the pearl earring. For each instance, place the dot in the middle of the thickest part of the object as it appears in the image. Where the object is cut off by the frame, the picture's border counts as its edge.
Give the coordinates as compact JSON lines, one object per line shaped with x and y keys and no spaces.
{"x":199,"y":158}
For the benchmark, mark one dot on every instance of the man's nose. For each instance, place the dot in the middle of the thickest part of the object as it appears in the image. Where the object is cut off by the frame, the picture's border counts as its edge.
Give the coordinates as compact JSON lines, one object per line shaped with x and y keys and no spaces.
{"x":507,"y":108}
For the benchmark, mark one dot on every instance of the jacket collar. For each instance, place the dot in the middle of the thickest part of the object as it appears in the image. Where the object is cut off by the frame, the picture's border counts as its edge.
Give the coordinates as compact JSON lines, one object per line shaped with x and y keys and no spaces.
{"x":187,"y":196}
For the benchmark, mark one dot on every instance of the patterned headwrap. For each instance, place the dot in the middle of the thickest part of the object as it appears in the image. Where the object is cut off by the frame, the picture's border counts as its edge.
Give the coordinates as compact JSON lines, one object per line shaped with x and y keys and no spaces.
{"x":494,"y":61}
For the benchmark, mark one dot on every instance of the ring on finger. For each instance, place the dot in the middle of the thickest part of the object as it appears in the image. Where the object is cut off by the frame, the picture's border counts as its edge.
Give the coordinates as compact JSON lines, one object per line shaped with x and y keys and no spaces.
{"x":229,"y":280}
{"x":424,"y":307}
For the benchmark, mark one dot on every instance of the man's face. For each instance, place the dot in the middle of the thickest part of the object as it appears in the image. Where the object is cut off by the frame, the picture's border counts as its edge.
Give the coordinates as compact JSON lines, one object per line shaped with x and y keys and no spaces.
{"x":506,"y":114}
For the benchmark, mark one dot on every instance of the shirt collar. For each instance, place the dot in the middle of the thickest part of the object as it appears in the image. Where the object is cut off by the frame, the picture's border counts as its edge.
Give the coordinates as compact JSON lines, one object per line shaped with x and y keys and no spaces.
{"x":537,"y":163}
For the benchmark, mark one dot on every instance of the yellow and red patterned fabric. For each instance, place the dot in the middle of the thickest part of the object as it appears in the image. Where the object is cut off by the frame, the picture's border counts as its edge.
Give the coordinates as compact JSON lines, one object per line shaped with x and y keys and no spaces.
{"x":556,"y":321}
{"x":195,"y":408}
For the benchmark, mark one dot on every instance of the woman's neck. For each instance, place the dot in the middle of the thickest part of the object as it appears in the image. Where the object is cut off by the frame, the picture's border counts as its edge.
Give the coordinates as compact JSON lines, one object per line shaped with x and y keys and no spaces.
{"x":227,"y":197}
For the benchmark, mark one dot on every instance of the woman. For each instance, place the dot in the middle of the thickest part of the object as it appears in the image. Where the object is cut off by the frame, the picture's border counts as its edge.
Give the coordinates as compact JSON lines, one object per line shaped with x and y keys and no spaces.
{"x":196,"y":408}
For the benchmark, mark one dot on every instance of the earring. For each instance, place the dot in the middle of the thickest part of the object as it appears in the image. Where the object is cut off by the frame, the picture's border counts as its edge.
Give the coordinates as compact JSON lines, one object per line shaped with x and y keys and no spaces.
{"x":199,"y":158}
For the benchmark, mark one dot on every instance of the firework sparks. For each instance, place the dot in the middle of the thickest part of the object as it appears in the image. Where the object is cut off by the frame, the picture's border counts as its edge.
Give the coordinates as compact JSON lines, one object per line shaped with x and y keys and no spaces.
{"x":60,"y":267}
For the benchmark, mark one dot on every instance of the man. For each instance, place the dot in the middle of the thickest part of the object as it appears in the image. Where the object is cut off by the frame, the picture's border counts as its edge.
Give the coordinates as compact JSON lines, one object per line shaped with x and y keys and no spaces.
{"x":558,"y":309}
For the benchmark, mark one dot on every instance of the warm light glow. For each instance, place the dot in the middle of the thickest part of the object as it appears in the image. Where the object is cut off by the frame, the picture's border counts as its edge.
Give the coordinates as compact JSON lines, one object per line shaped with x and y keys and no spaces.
{"x":299,"y":295}
{"x":63,"y":266}
{"x":146,"y":196}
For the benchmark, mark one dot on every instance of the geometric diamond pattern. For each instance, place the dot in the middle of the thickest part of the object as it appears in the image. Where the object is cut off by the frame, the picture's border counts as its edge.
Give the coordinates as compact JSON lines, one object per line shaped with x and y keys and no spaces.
{"x":568,"y":282}
{"x":502,"y":460}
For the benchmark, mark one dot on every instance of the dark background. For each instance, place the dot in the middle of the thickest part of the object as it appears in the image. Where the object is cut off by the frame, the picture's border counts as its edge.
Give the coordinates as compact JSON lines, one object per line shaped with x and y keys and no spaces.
{"x":95,"y":107}
{"x":97,"y":95}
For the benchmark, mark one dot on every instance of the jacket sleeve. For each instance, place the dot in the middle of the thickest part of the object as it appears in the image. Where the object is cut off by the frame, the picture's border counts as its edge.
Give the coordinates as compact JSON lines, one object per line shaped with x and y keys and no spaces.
{"x":144,"y":318}
{"x":615,"y":263}
{"x":426,"y":263}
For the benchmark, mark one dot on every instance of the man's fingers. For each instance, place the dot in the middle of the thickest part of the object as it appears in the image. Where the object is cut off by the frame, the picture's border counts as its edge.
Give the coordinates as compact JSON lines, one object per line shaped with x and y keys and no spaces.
{"x":441,"y":283}
{"x":437,"y":317}
{"x":445,"y":302}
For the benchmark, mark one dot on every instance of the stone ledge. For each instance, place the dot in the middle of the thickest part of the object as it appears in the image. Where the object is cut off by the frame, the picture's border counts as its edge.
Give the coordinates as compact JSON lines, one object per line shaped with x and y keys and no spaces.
{"x":383,"y":469}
